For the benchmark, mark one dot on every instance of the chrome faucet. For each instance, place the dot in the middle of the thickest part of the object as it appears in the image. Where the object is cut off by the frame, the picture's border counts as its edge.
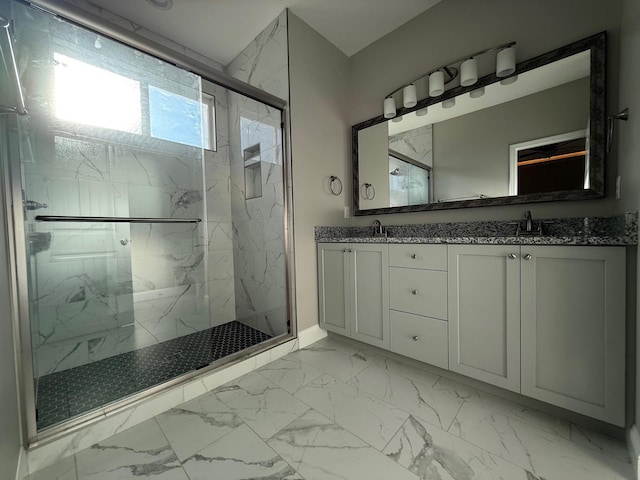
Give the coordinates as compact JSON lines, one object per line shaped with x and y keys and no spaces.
{"x":527,"y":218}
{"x":378,"y":229}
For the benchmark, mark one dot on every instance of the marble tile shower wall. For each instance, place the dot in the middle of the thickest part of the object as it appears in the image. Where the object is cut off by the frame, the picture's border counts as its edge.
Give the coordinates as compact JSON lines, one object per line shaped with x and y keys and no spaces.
{"x":222,"y":298}
{"x":258,"y":233}
{"x":416,"y":144}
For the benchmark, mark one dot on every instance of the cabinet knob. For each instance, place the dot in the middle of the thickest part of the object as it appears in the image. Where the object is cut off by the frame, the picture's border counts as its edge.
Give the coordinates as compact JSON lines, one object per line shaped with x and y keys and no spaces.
{"x":527,"y":256}
{"x":414,"y":256}
{"x":349,"y":250}
{"x":513,"y":256}
{"x":415,"y":338}
{"x":415,"y":292}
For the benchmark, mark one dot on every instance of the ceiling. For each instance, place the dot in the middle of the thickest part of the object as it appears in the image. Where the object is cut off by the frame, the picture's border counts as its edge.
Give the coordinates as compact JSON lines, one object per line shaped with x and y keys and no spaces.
{"x":221,"y":29}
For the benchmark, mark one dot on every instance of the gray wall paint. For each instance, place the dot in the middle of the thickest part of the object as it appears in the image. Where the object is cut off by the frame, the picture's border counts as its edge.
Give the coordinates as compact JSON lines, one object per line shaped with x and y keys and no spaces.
{"x":480,"y":163}
{"x":9,"y":418}
{"x":628,"y":149}
{"x":444,"y":33}
{"x":320,"y":145}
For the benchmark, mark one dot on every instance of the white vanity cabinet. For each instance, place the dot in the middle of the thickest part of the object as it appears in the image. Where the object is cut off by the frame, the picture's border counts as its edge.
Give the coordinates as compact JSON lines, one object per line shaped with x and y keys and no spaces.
{"x":573,"y":328}
{"x":418,"y":302}
{"x":545,"y":321}
{"x":484,"y":313}
{"x":353,"y":290}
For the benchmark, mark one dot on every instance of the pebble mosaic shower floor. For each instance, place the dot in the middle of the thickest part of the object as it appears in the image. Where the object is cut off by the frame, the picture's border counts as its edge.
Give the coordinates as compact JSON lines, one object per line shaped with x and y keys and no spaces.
{"x":65,"y":394}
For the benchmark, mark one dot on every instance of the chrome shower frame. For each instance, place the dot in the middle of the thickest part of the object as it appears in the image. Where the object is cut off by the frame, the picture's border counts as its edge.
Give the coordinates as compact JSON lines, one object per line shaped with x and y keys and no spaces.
{"x":14,"y":198}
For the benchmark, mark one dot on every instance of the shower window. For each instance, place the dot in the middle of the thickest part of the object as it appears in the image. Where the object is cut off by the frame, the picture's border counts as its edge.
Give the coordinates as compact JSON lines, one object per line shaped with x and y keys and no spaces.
{"x":144,"y":259}
{"x":93,"y":96}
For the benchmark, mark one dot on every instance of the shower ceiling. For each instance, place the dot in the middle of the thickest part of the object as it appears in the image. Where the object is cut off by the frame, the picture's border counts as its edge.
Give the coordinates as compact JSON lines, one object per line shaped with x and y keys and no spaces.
{"x":221,"y":29}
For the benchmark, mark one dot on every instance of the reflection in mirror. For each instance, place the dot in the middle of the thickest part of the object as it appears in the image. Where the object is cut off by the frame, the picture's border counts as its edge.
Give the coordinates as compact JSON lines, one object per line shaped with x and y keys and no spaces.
{"x":522,"y":139}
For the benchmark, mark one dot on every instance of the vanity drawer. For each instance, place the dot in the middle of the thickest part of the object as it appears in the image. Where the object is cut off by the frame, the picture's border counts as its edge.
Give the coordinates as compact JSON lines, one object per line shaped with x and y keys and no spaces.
{"x":421,"y":338}
{"x":423,"y":292}
{"x":432,"y":257}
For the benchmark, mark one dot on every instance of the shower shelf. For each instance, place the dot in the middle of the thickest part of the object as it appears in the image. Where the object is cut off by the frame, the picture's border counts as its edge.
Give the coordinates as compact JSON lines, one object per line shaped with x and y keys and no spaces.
{"x":63,"y":218}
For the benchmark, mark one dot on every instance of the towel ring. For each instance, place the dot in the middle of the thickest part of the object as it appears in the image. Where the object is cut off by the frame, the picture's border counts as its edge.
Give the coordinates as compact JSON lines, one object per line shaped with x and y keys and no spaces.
{"x":333,"y":181}
{"x":369,"y":191}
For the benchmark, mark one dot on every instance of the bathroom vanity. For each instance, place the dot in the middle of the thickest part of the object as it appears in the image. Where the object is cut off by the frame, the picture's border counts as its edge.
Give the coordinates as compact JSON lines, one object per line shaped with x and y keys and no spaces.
{"x":543,"y":316}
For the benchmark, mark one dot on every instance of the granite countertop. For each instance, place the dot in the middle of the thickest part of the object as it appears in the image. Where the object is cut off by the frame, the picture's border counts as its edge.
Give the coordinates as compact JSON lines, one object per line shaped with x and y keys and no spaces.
{"x":618,"y":230}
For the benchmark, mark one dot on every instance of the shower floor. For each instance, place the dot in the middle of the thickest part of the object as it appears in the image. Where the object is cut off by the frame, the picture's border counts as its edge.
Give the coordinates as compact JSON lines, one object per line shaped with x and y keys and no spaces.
{"x":63,"y":395}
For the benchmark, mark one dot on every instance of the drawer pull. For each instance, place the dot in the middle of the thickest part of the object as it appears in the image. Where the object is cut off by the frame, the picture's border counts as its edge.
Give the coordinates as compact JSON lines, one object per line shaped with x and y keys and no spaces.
{"x":414,"y":256}
{"x":415,"y":292}
{"x":415,"y":338}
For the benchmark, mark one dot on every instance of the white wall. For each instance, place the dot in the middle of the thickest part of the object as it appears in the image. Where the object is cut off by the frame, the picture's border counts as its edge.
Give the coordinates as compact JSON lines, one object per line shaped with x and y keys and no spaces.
{"x":320,"y":146}
{"x":455,"y":28}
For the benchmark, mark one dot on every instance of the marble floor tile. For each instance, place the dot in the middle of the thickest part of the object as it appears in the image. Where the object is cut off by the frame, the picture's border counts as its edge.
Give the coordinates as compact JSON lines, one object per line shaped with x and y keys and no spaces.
{"x":535,"y":418}
{"x":264,"y":406}
{"x":290,"y":373}
{"x":319,"y":449}
{"x":239,"y":455}
{"x":140,"y":452}
{"x":370,"y":418}
{"x":433,"y":454}
{"x":542,"y":453}
{"x":341,"y":361}
{"x":62,"y":470}
{"x":602,"y":443}
{"x":401,"y":386}
{"x":196,"y":424}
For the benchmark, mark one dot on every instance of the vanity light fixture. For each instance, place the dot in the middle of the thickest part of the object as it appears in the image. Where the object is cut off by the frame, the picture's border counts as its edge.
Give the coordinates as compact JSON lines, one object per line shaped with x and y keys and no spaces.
{"x":389,"y":107}
{"x":477,"y":93}
{"x":409,"y":96}
{"x":469,"y":72}
{"x":466,"y":68}
{"x":449,"y":103}
{"x":162,"y":4}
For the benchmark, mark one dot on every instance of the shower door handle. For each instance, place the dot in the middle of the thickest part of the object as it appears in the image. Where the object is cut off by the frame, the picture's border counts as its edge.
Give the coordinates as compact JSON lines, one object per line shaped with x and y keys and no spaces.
{"x":124,"y":242}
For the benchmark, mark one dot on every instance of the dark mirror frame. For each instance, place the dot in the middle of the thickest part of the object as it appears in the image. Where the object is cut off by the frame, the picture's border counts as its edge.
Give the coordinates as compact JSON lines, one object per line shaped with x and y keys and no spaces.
{"x":597,"y":44}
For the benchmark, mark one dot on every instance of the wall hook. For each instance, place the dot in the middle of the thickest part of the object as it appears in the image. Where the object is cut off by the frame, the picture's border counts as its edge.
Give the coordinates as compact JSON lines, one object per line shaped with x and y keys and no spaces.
{"x":622,"y":115}
{"x":335,"y":185}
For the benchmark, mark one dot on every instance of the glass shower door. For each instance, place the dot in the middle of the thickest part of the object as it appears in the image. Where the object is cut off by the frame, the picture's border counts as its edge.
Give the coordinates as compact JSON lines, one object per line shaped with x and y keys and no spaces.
{"x":111,"y":161}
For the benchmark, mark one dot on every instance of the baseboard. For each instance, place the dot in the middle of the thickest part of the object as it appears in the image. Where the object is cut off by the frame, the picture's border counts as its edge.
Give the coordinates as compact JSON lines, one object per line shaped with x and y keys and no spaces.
{"x":21,"y":470}
{"x":633,"y":444}
{"x":310,"y":335}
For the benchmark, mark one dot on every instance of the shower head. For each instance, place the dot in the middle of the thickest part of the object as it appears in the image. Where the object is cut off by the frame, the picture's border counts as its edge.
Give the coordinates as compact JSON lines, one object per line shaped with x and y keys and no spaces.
{"x":395,"y":171}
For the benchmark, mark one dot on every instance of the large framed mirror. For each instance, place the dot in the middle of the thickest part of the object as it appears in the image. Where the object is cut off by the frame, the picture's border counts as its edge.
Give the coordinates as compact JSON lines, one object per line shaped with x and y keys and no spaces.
{"x":536,"y":136}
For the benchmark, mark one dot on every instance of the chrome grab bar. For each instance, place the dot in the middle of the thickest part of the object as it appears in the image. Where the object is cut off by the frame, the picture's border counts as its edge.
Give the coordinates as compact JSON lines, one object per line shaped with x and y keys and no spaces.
{"x":63,"y":218}
{"x":9,"y":61}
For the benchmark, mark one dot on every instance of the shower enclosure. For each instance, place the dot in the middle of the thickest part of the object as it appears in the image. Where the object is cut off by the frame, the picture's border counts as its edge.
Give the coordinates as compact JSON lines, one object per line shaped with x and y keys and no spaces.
{"x":149,"y":214}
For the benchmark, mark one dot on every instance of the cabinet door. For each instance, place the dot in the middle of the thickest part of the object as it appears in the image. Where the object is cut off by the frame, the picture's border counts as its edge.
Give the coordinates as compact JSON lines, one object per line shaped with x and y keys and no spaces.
{"x":484,"y":313}
{"x":370,"y":298}
{"x":333,"y":287}
{"x":573,"y":318}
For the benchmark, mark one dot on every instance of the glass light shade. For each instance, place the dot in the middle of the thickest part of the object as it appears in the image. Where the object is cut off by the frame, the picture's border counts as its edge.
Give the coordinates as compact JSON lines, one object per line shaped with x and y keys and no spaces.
{"x":409,"y":96}
{"x":477,"y":93}
{"x":469,"y":72}
{"x":509,"y":81}
{"x":506,"y":62}
{"x":449,"y":102}
{"x":436,"y":83}
{"x":389,"y":107}
{"x":422,"y":112}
